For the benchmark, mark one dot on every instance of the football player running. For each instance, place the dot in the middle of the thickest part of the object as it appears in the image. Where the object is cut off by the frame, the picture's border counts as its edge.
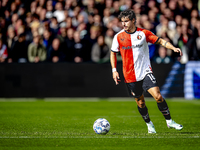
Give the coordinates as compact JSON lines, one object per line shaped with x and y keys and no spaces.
{"x":132,"y":43}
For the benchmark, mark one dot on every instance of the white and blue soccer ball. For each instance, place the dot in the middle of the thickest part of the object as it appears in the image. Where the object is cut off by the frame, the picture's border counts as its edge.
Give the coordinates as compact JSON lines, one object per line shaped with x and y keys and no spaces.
{"x":101,"y":126}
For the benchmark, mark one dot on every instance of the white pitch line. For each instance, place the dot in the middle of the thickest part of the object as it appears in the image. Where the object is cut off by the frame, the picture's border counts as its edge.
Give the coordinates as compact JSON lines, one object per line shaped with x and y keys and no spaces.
{"x":100,"y":137}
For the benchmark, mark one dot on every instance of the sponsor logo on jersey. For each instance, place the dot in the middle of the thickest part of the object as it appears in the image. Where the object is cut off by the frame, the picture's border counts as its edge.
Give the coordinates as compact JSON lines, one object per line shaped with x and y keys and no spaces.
{"x":122,"y":39}
{"x":133,"y":46}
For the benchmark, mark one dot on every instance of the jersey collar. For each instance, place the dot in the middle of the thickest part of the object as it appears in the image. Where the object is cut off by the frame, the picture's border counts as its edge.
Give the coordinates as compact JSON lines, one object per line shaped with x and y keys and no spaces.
{"x":131,"y":32}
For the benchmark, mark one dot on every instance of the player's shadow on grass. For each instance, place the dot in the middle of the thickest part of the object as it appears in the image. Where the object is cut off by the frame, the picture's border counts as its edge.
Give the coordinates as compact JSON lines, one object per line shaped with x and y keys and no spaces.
{"x":129,"y":134}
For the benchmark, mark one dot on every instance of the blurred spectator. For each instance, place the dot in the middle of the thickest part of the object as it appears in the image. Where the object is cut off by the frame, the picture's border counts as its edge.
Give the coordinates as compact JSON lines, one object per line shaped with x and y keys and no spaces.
{"x":54,"y":26}
{"x":152,"y":47}
{"x":3,"y":28}
{"x":178,"y":20}
{"x":47,"y":39}
{"x":116,"y":8}
{"x":94,"y":17}
{"x":13,"y":8}
{"x":109,"y":5}
{"x":162,"y":56}
{"x":116,"y":24}
{"x":81,"y":52}
{"x":100,"y":51}
{"x":69,"y":50}
{"x":38,"y":10}
{"x":59,"y":12}
{"x":22,"y":12}
{"x":68,"y":6}
{"x":49,"y":7}
{"x":14,"y":19}
{"x":173,"y":6}
{"x":19,"y":27}
{"x":82,"y":28}
{"x":90,"y":7}
{"x":162,"y":28}
{"x":62,"y":36}
{"x":3,"y":51}
{"x":168,"y":14}
{"x":109,"y":37}
{"x":153,"y":20}
{"x":19,"y":52}
{"x":36,"y":50}
{"x":177,"y":35}
{"x":142,"y":20}
{"x":28,"y":19}
{"x":42,"y":15}
{"x":33,"y":7}
{"x":75,"y":16}
{"x":183,"y":41}
{"x":193,"y":42}
{"x":68,"y":22}
{"x":107,"y":16}
{"x":42,"y":3}
{"x":137,"y":9}
{"x":56,"y":53}
{"x":127,"y":4}
{"x":10,"y":39}
{"x":188,"y":8}
{"x":94,"y":33}
{"x":97,"y":21}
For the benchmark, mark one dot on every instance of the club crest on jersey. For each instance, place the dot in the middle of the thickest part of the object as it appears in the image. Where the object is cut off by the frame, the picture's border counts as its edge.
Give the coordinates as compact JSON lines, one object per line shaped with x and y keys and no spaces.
{"x":139,"y":37}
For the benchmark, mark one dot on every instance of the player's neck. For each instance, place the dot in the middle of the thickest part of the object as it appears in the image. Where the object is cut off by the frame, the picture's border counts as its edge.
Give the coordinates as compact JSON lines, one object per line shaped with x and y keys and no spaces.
{"x":132,"y":30}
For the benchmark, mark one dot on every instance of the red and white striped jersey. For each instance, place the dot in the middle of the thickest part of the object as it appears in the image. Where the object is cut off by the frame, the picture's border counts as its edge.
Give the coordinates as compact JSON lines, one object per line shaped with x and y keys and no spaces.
{"x":135,"y":53}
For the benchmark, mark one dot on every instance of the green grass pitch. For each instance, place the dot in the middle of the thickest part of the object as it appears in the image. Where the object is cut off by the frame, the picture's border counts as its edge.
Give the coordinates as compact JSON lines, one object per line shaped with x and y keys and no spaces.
{"x":30,"y":124}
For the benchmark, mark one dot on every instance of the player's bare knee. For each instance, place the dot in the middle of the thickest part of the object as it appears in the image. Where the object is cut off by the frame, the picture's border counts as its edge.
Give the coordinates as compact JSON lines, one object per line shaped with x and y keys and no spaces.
{"x":141,"y":103}
{"x":158,"y":98}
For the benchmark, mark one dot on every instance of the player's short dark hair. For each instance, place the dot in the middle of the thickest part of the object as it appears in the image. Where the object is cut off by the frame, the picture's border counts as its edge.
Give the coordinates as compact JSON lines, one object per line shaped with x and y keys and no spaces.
{"x":127,"y":13}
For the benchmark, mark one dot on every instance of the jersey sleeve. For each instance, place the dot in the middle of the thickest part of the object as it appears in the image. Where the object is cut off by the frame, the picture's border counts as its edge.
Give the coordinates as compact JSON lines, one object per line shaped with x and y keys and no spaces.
{"x":150,"y":37}
{"x":115,"y":45}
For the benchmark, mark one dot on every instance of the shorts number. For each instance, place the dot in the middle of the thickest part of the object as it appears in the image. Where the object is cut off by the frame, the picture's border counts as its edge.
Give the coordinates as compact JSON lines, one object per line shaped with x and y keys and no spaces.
{"x":152,"y":78}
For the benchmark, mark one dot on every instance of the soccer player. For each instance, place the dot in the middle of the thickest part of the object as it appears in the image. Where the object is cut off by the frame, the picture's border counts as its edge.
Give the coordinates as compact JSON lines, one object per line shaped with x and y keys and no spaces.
{"x":132,"y":43}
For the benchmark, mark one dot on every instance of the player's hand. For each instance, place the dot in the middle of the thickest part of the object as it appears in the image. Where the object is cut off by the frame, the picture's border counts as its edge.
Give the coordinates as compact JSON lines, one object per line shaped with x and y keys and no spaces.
{"x":178,"y":50}
{"x":116,"y":77}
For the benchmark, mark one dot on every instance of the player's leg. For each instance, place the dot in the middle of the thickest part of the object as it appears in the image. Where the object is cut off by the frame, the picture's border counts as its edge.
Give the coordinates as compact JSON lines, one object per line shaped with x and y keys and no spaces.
{"x":142,"y":108}
{"x":163,"y":107}
{"x":136,"y":90}
{"x":144,"y":113}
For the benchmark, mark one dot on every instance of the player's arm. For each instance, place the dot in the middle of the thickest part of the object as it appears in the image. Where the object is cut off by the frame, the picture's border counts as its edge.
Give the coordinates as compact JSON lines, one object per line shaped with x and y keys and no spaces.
{"x":113,"y":61}
{"x":168,"y":45}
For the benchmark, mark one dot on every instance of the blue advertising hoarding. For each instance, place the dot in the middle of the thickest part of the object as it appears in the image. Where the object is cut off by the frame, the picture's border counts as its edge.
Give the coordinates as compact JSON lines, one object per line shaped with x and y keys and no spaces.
{"x":192,"y":80}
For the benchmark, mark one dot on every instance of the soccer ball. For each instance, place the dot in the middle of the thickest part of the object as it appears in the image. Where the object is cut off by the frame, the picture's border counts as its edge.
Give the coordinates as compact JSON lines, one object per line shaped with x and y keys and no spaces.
{"x":101,"y":126}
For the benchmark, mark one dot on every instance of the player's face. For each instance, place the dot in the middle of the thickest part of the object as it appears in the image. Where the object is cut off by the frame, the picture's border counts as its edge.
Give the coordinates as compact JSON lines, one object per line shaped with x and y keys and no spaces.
{"x":128,"y":24}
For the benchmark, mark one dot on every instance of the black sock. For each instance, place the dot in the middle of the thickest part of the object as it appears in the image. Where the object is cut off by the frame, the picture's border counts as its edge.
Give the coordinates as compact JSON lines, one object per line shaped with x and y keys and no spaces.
{"x":164,"y":109}
{"x":144,"y":113}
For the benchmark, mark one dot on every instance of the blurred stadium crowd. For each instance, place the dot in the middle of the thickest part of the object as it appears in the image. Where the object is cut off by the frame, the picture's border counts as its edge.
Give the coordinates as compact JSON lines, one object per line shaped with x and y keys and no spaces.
{"x":82,"y":30}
